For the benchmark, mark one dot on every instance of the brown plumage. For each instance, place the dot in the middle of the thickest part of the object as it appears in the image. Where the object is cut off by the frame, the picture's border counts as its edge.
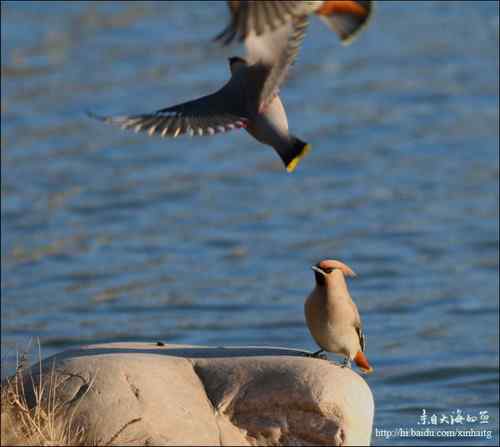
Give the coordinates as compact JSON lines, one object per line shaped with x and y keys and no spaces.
{"x":332,"y":317}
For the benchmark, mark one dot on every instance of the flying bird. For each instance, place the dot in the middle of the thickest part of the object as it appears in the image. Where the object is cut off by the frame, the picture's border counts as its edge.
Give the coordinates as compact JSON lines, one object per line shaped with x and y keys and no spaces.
{"x":249,"y":100}
{"x":347,"y":18}
{"x":333,"y":318}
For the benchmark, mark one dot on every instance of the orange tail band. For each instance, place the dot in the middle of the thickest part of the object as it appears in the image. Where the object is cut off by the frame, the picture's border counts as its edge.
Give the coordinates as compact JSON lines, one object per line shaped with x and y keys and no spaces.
{"x":331,"y":7}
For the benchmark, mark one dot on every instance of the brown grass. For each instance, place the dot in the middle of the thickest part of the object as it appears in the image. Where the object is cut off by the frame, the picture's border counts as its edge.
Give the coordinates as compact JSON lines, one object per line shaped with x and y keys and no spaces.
{"x":31,"y":413}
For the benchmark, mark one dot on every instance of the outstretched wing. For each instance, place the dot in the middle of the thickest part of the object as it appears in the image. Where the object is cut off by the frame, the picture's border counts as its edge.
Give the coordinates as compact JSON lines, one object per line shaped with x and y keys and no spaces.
{"x":275,"y":52}
{"x":219,"y":112}
{"x":262,"y":16}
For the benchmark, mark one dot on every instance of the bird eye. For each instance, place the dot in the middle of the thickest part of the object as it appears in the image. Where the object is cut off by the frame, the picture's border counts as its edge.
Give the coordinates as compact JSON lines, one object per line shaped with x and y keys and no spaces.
{"x":329,"y":270}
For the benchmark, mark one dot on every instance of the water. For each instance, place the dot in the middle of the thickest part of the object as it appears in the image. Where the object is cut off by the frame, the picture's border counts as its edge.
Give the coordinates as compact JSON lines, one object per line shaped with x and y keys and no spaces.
{"x":109,"y":236}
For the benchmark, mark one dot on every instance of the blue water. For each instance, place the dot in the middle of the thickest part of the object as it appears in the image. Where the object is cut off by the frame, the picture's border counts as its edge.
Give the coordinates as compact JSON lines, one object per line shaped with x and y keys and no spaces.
{"x":108,"y":235}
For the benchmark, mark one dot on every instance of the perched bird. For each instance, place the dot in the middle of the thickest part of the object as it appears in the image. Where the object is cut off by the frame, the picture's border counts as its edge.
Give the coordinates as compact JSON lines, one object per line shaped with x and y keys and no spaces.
{"x":333,"y":318}
{"x":248,"y":100}
{"x":345,"y":17}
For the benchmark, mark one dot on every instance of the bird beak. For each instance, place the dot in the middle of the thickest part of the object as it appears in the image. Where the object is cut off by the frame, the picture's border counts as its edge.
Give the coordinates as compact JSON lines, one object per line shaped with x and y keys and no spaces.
{"x":317,"y":269}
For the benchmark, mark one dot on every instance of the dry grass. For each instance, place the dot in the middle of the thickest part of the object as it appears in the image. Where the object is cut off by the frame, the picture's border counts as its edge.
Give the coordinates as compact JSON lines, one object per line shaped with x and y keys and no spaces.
{"x":31,"y":414}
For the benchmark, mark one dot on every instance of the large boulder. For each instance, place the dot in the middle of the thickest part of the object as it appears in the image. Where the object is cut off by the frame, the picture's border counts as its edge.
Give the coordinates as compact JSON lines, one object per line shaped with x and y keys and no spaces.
{"x":155,"y":394}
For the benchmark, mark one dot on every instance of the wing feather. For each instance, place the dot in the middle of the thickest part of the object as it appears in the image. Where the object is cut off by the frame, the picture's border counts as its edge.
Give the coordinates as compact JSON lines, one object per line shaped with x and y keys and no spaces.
{"x":362,"y":338}
{"x":219,"y":112}
{"x":262,"y":16}
{"x":274,"y":53}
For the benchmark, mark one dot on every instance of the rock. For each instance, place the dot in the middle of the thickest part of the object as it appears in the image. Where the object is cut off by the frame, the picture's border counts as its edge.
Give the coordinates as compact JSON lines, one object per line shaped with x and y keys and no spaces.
{"x":146,"y":394}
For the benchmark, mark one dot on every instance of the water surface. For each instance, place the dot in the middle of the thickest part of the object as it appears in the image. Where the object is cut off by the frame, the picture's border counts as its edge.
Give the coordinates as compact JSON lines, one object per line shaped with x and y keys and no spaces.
{"x":110,"y":236}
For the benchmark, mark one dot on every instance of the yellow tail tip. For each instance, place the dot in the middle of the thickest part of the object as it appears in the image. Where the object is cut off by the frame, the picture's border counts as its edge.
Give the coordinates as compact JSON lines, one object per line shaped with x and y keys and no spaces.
{"x":295,"y":161}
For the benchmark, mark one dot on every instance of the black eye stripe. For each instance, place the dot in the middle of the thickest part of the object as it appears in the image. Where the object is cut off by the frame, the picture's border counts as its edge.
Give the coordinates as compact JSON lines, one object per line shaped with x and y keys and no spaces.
{"x":329,"y":270}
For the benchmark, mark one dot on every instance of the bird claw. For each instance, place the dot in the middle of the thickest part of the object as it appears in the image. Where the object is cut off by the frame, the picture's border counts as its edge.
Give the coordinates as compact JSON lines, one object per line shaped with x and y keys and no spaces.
{"x":346,"y":363}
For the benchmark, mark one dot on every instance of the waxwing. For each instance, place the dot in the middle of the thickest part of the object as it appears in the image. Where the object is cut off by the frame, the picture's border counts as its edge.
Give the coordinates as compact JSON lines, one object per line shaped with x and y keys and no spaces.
{"x":248,"y":100}
{"x":333,"y":318}
{"x":346,"y":18}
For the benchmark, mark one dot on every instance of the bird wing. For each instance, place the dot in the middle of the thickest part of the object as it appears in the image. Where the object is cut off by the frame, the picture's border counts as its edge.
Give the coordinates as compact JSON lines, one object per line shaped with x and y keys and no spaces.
{"x":362,"y":337}
{"x":358,"y":325}
{"x":219,"y":112}
{"x":262,"y":16}
{"x":271,"y":55}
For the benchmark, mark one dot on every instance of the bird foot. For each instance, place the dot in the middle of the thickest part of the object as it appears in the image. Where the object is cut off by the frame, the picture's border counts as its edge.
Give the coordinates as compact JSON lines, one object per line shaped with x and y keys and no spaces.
{"x":346,"y":363}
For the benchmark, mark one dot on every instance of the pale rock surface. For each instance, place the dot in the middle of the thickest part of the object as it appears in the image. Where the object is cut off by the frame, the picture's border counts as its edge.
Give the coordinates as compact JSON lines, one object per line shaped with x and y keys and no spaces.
{"x":144,"y":394}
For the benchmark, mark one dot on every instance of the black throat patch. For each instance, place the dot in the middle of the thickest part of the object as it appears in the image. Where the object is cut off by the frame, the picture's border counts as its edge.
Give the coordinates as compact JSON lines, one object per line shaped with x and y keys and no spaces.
{"x":320,"y":278}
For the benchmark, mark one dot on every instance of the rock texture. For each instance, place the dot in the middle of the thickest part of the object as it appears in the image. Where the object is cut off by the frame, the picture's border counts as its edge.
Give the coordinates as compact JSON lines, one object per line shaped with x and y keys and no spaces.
{"x":145,"y":394}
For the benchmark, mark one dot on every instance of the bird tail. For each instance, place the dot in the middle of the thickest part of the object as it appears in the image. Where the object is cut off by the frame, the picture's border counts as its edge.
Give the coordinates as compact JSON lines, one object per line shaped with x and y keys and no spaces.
{"x":362,"y":362}
{"x":346,"y":18}
{"x":293,"y":153}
